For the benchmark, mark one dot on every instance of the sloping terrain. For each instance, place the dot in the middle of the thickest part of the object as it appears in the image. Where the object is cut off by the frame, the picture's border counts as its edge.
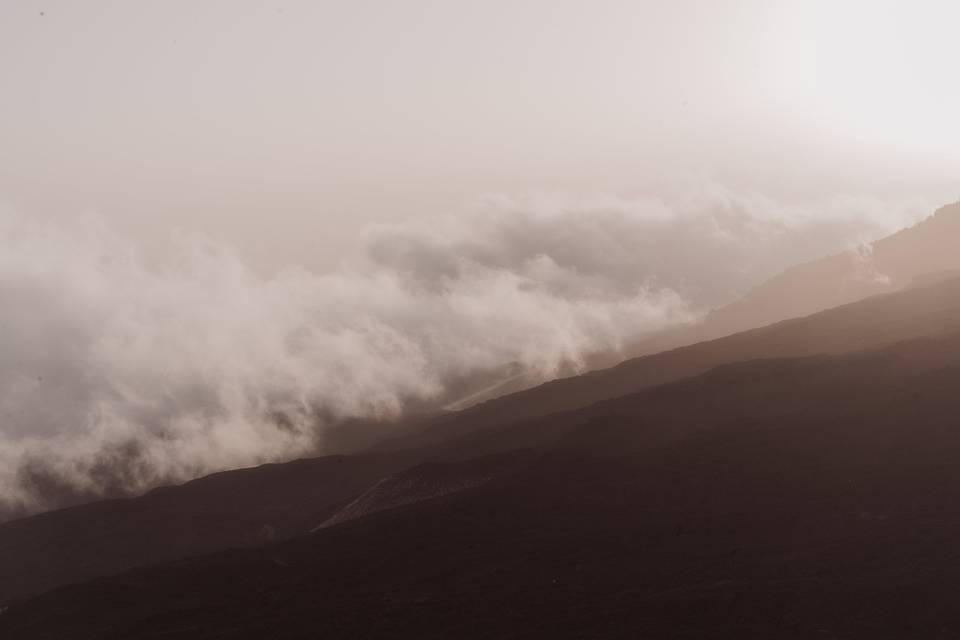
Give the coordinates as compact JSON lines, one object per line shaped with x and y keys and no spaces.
{"x":874,"y":322}
{"x":276,"y":502}
{"x":920,"y":254}
{"x":232,"y":509}
{"x":421,"y":482}
{"x":791,"y":498}
{"x":886,"y":265}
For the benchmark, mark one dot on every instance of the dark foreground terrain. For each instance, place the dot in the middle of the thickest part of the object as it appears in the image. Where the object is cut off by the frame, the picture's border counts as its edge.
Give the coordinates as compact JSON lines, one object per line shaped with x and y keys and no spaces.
{"x":274,"y":503}
{"x":798,"y":480}
{"x":803,"y":497}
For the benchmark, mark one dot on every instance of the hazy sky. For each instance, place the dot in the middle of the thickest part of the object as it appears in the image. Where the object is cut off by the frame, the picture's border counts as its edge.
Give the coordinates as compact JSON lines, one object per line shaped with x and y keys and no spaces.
{"x":474,"y":189}
{"x":285,"y":126}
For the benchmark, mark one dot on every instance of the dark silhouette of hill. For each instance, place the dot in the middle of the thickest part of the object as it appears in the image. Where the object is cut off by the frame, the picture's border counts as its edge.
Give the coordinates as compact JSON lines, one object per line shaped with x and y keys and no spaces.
{"x":424,"y":481}
{"x":276,"y":502}
{"x":775,"y":498}
{"x":882,"y":319}
{"x":247,"y":507}
{"x":919,"y":254}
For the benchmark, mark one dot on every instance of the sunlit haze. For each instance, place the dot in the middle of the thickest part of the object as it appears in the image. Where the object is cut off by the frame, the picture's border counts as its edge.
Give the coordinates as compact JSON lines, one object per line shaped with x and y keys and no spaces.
{"x":285,"y":127}
{"x":472,"y":319}
{"x":230,"y":228}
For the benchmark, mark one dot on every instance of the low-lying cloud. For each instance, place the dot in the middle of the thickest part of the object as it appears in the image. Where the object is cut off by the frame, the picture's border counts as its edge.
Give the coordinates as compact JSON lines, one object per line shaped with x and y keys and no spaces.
{"x":115,"y":371}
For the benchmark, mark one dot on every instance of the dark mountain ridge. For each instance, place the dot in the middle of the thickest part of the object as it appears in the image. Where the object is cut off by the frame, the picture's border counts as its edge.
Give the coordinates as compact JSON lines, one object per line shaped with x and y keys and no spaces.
{"x":832,"y":370}
{"x":787,"y":498}
{"x":277,"y":502}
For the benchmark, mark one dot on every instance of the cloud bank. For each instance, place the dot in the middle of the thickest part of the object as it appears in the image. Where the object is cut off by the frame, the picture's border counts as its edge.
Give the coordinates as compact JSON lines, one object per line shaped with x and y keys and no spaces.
{"x":120,"y":374}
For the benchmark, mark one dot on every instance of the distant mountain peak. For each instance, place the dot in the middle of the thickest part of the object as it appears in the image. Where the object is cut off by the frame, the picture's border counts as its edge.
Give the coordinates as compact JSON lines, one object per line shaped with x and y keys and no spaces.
{"x":924,"y":253}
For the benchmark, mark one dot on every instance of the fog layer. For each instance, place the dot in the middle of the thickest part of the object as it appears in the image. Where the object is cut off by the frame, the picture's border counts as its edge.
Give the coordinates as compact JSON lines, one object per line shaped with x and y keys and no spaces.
{"x":117,"y":372}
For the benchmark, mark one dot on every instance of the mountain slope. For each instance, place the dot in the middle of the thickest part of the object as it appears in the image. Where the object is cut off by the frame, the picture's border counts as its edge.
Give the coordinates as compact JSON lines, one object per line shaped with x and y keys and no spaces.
{"x":251,"y":507}
{"x":928,"y":249}
{"x":796,"y":498}
{"x":248,"y":507}
{"x":886,"y":265}
{"x":424,"y":481}
{"x":874,"y":322}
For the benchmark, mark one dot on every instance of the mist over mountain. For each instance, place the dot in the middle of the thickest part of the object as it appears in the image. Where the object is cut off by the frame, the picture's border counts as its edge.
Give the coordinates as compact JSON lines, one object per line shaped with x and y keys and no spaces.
{"x":786,"y":497}
{"x":446,"y":454}
{"x":119,"y":373}
{"x":925,"y":250}
{"x":510,"y":319}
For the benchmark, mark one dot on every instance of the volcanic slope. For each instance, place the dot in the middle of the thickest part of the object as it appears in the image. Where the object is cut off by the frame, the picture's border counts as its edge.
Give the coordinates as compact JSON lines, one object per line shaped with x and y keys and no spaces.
{"x":277,"y":502}
{"x":787,"y":498}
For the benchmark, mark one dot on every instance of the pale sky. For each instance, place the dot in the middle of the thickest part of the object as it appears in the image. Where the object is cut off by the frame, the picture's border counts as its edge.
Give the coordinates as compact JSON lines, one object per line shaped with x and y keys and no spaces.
{"x":476,"y":189}
{"x":285,"y":126}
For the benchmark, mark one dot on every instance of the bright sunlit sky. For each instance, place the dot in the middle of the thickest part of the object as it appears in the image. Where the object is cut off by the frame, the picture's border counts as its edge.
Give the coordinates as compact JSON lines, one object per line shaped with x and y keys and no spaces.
{"x":285,"y":126}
